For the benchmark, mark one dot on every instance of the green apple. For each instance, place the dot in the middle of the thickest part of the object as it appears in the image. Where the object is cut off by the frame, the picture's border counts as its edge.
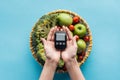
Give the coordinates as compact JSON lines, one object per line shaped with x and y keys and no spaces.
{"x":81,"y":45}
{"x":61,"y":63}
{"x":80,"y":30}
{"x":64,"y":19}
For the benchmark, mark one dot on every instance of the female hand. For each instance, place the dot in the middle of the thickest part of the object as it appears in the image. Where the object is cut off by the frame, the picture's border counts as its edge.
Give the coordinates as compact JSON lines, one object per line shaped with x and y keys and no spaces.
{"x":69,"y":57}
{"x":53,"y":56}
{"x":70,"y":52}
{"x":50,"y":51}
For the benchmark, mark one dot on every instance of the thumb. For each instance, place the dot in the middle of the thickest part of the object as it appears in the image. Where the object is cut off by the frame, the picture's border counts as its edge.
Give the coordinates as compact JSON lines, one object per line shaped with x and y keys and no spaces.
{"x":43,"y":40}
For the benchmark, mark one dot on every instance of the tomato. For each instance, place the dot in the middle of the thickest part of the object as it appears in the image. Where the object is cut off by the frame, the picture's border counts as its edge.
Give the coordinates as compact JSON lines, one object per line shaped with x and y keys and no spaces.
{"x":87,"y":38}
{"x":76,"y":19}
{"x":80,"y":57}
{"x":71,"y":27}
{"x":77,"y":37}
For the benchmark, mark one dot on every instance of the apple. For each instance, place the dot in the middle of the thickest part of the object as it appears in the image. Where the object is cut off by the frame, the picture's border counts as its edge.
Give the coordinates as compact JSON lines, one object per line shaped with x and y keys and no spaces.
{"x":64,"y":19}
{"x":81,"y":45}
{"x":80,"y":30}
{"x":61,"y":63}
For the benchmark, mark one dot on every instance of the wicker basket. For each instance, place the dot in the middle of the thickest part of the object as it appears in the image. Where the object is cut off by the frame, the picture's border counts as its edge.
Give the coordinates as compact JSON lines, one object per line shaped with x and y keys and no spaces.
{"x":89,"y":46}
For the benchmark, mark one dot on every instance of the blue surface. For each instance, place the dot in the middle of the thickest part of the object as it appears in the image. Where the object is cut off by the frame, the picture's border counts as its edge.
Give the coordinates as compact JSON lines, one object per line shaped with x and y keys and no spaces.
{"x":18,"y":16}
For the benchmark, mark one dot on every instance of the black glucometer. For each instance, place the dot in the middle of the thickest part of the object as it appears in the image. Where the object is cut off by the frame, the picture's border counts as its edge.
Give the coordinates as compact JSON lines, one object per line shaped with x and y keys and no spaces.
{"x":60,"y":40}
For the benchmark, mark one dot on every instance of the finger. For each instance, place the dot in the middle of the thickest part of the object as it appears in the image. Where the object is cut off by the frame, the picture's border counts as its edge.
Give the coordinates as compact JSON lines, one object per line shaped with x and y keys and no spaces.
{"x":61,"y":29}
{"x":64,"y":29}
{"x":74,"y":41}
{"x":43,"y":41}
{"x":55,"y":29}
{"x":49,"y":38}
{"x":69,"y":34}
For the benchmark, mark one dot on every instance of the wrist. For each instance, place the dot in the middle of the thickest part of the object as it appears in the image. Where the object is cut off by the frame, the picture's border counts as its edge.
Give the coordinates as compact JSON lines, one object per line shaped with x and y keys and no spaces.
{"x":67,"y":58}
{"x":48,"y":70}
{"x":74,"y":70}
{"x":53,"y":59}
{"x":71,"y":62}
{"x":50,"y":62}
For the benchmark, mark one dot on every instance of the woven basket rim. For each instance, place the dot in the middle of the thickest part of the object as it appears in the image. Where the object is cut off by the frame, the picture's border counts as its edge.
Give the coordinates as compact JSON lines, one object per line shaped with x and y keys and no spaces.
{"x":88,"y":29}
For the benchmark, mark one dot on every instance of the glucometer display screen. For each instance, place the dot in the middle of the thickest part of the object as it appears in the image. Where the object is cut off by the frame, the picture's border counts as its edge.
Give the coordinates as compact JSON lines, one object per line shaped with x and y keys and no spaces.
{"x":60,"y":40}
{"x":60,"y":37}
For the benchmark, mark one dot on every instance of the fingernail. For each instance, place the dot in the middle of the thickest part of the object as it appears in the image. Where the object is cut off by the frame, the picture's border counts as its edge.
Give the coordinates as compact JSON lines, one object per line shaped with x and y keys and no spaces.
{"x":57,"y":29}
{"x":65,"y":28}
{"x":61,"y":29}
{"x":55,"y":26}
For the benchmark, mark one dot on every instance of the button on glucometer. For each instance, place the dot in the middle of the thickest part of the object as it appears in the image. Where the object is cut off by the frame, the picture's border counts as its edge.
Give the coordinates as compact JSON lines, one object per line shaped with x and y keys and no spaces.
{"x":56,"y":43}
{"x":60,"y":43}
{"x":63,"y":43}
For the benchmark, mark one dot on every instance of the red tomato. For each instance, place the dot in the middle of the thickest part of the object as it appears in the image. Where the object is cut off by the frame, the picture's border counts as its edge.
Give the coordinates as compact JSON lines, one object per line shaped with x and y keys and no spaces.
{"x":80,"y":57}
{"x":76,"y":19}
{"x":86,"y":38}
{"x":77,"y":37}
{"x":71,"y":27}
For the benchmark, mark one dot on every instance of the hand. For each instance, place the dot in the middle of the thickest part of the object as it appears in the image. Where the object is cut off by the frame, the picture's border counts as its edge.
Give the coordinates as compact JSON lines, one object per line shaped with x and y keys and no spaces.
{"x":69,"y":57}
{"x":70,"y":52}
{"x":53,"y":55}
{"x":50,"y":51}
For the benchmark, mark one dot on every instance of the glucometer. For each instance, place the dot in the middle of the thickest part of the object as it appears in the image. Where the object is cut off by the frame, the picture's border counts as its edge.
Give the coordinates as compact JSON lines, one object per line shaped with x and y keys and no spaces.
{"x":60,"y":40}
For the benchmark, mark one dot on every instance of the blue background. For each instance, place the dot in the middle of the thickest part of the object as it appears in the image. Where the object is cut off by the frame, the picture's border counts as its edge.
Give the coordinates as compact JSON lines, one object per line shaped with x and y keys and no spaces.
{"x":18,"y":16}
